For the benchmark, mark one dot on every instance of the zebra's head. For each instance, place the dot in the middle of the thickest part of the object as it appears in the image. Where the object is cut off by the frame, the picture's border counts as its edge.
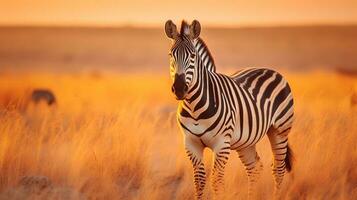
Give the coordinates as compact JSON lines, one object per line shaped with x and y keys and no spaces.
{"x":182,"y":55}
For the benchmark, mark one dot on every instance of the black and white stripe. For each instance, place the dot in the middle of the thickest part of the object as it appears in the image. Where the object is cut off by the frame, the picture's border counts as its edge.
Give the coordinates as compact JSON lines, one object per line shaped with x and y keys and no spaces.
{"x":227,"y":113}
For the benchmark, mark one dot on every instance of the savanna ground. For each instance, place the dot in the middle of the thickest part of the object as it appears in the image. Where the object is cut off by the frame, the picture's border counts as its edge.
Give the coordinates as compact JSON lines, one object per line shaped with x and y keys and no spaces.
{"x":114,"y":136}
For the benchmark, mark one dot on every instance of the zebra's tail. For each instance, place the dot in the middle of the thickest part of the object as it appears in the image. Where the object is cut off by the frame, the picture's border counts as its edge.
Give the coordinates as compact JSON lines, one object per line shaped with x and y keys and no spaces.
{"x":289,"y":159}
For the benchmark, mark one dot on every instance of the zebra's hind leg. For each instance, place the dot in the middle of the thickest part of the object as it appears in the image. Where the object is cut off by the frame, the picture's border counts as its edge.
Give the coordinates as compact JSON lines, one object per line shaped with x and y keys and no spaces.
{"x":253,"y":167}
{"x":282,"y":156}
{"x":194,"y":150}
{"x":221,"y":155}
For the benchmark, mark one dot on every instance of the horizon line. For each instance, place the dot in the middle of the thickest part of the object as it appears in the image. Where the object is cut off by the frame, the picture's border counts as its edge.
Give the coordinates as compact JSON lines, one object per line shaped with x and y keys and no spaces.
{"x":149,"y":26}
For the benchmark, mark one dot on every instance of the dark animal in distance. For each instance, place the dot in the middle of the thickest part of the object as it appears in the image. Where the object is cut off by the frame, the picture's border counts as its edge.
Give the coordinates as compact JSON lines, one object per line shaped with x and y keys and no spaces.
{"x":45,"y":95}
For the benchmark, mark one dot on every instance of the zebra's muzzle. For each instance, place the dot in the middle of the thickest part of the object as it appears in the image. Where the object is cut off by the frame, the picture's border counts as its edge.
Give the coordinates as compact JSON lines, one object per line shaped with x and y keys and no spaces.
{"x":179,"y":88}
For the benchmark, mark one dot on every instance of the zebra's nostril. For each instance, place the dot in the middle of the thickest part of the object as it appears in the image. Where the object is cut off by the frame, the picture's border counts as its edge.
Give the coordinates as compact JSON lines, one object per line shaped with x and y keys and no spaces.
{"x":185,"y":88}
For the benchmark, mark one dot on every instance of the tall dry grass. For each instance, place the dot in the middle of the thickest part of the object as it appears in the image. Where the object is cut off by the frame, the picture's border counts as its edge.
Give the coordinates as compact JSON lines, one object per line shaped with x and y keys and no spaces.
{"x":115,"y":137}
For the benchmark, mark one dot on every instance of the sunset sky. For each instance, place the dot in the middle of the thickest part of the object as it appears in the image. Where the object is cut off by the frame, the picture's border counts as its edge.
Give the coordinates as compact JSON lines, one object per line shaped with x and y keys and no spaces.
{"x":147,"y":13}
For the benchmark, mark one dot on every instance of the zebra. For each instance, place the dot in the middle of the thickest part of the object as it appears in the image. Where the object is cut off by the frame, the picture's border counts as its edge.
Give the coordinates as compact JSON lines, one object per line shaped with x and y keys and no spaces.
{"x":227,"y":113}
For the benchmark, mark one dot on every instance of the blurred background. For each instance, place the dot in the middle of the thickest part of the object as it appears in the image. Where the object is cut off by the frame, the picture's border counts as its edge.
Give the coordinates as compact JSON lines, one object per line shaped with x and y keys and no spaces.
{"x":124,"y":35}
{"x":86,"y":110}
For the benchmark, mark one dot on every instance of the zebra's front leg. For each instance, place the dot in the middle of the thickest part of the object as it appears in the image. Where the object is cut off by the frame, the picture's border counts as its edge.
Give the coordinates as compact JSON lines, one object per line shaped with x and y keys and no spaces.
{"x":194,"y":150}
{"x":253,"y":167}
{"x":221,"y":155}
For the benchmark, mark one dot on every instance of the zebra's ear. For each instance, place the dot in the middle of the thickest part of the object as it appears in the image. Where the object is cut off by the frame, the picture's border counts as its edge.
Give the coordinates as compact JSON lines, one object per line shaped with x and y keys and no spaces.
{"x":195,"y":29}
{"x":171,"y":30}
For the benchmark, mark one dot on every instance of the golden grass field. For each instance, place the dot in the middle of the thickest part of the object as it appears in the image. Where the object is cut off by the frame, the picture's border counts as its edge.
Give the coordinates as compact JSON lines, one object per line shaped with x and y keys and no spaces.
{"x":114,"y":136}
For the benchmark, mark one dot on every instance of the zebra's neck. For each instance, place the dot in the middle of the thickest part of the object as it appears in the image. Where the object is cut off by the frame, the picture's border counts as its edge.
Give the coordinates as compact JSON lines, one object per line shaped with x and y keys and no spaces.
{"x":205,"y":55}
{"x":201,"y":101}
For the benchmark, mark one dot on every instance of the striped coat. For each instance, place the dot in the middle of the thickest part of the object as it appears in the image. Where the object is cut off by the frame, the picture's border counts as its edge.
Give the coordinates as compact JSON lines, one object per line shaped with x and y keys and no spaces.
{"x":227,"y":113}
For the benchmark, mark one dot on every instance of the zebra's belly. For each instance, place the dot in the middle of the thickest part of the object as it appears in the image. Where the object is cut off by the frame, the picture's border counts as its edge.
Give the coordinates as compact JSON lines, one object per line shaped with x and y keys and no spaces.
{"x":244,"y":138}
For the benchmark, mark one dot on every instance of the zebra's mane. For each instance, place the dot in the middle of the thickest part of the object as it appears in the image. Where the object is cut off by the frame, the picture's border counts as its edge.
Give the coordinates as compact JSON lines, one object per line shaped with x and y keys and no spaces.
{"x":205,"y":54}
{"x":185,"y":28}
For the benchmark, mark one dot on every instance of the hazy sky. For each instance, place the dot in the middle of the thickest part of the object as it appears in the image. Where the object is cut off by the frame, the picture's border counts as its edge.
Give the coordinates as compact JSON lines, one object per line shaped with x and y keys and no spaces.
{"x":155,"y":13}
